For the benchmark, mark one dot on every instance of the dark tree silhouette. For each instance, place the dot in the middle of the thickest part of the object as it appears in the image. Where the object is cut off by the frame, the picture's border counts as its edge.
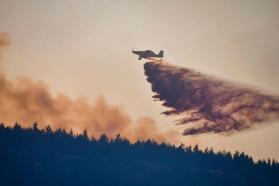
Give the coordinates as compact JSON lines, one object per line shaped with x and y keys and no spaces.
{"x":30,"y":156}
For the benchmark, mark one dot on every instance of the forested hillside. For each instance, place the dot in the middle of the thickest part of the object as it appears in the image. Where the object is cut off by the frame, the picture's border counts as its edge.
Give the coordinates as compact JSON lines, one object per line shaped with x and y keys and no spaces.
{"x":30,"y":156}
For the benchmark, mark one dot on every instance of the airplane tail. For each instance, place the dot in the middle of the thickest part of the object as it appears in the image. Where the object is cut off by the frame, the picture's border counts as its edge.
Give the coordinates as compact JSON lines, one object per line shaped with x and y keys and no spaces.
{"x":161,"y":53}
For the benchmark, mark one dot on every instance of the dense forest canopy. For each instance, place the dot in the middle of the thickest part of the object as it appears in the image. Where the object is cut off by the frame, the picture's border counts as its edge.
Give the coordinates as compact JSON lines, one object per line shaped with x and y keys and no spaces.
{"x":32,"y":156}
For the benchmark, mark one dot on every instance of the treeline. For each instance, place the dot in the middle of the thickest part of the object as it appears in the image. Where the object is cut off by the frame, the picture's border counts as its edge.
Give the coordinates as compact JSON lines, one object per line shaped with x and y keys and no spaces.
{"x":32,"y":156}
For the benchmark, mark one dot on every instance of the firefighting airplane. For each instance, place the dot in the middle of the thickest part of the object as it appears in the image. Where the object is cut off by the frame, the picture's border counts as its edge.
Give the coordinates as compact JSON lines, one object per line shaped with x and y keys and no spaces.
{"x":148,"y":54}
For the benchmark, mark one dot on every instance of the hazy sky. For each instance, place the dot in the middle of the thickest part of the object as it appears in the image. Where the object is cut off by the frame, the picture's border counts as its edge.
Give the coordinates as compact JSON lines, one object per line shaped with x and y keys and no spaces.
{"x":82,"y":48}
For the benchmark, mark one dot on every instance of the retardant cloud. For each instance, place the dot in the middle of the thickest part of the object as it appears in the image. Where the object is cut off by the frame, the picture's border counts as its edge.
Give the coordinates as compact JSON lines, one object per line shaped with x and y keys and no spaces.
{"x":211,"y":105}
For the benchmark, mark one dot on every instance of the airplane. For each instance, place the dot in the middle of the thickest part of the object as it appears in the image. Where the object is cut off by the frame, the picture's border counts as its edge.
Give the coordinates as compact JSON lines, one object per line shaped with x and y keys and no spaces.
{"x":147,"y":54}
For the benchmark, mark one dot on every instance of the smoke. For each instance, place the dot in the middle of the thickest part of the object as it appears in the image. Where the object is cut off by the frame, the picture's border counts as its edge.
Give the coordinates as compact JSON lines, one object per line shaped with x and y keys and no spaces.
{"x":25,"y":101}
{"x":209,"y":104}
{"x":4,"y":42}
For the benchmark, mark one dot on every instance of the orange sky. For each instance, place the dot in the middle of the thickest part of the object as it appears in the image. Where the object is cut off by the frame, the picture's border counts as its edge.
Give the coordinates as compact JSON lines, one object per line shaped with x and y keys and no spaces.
{"x":82,"y":49}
